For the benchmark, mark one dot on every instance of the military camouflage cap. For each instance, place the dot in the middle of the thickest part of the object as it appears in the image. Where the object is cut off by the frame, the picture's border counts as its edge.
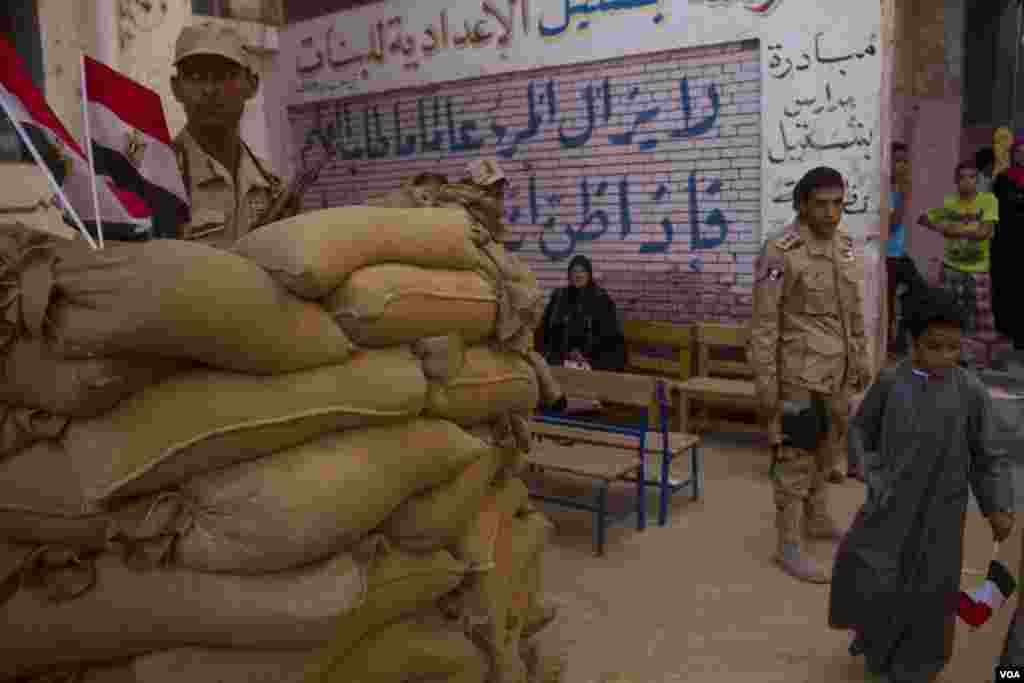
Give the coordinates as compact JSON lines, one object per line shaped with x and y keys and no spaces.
{"x":209,"y":38}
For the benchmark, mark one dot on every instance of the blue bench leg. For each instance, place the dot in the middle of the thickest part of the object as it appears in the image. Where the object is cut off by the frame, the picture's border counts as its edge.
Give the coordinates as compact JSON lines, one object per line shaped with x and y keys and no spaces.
{"x":696,"y":472}
{"x":666,"y":489}
{"x":602,"y":517}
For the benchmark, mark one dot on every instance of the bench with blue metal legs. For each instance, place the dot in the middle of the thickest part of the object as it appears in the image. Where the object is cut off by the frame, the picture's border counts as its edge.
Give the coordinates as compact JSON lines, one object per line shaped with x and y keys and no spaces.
{"x":605,"y":464}
{"x":603,"y":469}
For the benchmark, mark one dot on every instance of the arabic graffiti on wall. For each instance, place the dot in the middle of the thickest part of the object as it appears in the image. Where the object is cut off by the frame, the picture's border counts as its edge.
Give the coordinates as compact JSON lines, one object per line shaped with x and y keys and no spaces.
{"x":402,"y":43}
{"x":434,"y":123}
{"x":829,"y":117}
{"x":638,"y":165}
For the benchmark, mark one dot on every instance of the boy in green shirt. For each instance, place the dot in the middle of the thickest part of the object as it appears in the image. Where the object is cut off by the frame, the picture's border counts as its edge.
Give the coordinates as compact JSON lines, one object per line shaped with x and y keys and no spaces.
{"x":967,"y":220}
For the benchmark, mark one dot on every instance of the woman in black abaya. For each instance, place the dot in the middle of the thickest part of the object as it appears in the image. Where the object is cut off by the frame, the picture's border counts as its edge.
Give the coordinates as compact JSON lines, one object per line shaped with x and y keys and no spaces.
{"x":581,"y":324}
{"x":1007,"y":248}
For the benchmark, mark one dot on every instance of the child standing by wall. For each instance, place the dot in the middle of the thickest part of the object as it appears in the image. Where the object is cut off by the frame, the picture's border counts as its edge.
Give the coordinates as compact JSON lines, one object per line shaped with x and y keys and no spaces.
{"x":923,"y":432}
{"x":967,"y":220}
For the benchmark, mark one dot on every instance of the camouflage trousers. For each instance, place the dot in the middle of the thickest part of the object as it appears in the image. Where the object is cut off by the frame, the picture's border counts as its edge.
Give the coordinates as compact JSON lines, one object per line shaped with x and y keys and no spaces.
{"x":799,"y":475}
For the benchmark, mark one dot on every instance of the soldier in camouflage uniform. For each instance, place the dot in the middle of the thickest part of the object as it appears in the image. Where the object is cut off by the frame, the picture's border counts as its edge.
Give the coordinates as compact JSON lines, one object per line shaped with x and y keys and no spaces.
{"x":229,"y":187}
{"x":807,"y":341}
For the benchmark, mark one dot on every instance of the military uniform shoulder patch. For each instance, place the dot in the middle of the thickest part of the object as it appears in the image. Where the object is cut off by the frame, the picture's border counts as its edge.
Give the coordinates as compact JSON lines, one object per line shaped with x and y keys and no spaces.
{"x":789,"y":240}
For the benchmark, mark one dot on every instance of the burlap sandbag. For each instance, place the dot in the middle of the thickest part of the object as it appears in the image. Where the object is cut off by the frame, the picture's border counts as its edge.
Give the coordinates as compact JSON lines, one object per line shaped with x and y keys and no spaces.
{"x":182,"y":299}
{"x":491,"y":383}
{"x":394,"y":303}
{"x":477,"y":544}
{"x":487,"y":601}
{"x":400,"y":585}
{"x":545,"y":661}
{"x":206,"y":419}
{"x":281,"y":511}
{"x":129,"y":613}
{"x":21,"y":427}
{"x":402,"y":198}
{"x":197,"y":665}
{"x":435,"y":518}
{"x":507,"y":266}
{"x":550,"y":389}
{"x":529,"y":601}
{"x":426,"y":648}
{"x":442,"y":357}
{"x":313,"y":253}
{"x":37,"y":377}
{"x":508,"y":431}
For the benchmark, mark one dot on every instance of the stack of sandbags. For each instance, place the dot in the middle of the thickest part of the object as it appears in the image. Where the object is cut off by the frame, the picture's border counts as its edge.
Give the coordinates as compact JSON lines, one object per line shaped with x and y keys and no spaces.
{"x":209,"y":480}
{"x":468,"y":310}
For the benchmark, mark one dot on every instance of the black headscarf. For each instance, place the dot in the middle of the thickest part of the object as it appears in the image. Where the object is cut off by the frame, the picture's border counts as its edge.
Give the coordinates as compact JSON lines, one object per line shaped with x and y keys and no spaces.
{"x":581,"y":261}
{"x":584,"y":318}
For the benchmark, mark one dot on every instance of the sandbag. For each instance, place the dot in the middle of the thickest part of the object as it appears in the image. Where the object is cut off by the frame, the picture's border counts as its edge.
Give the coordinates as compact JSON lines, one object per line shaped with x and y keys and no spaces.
{"x":302,"y":505}
{"x":40,"y":480}
{"x":281,"y":511}
{"x":485,"y":208}
{"x":508,"y":266}
{"x":402,"y":198}
{"x":180,"y":299}
{"x":544,"y":663}
{"x":394,"y":303}
{"x":529,"y":600}
{"x":21,"y":427}
{"x":491,"y":383}
{"x":313,"y":253}
{"x":550,"y":389}
{"x":200,"y":665}
{"x":426,"y":648}
{"x":442,"y":357}
{"x":129,"y":613}
{"x":477,"y":544}
{"x":206,"y":419}
{"x":37,"y":377}
{"x":512,"y":540}
{"x":508,"y":431}
{"x":435,"y":518}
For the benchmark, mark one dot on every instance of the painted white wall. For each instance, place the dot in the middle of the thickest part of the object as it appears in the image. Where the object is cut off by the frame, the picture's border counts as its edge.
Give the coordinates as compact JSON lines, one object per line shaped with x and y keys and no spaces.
{"x":847,"y":126}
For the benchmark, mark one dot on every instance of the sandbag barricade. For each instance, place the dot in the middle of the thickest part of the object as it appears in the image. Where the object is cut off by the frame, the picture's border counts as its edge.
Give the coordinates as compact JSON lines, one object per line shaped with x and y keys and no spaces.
{"x":268,"y":463}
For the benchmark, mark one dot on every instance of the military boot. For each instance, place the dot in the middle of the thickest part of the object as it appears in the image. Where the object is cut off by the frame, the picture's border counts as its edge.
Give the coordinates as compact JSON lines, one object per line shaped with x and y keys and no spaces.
{"x":790,"y":557}
{"x":797,"y":564}
{"x":818,"y":523}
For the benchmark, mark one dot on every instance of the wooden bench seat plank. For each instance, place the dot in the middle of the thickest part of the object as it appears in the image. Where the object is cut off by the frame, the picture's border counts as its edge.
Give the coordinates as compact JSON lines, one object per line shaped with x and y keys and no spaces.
{"x":710,"y":387}
{"x":678,"y":442}
{"x":584,"y":461}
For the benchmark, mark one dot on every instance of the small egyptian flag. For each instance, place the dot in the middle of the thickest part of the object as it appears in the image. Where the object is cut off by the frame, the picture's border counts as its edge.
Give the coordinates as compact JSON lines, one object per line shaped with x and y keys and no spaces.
{"x":976,"y":607}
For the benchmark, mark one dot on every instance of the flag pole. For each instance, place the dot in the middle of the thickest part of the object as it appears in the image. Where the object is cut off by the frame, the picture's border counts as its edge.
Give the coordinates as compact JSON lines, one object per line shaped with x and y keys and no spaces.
{"x":46,"y":169}
{"x":89,"y":151}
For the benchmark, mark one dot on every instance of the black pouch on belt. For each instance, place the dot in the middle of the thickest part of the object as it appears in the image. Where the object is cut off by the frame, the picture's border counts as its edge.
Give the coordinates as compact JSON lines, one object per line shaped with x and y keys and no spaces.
{"x":804,"y":423}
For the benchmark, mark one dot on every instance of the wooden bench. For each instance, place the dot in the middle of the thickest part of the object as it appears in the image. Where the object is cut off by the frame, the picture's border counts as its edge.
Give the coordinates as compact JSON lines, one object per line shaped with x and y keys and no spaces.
{"x":647,"y":333}
{"x":624,"y":450}
{"x":718,"y":383}
{"x":644,"y":335}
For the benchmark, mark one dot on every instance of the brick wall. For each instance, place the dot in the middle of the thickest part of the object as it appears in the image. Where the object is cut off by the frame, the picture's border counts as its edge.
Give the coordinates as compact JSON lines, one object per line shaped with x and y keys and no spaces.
{"x":631,"y":162}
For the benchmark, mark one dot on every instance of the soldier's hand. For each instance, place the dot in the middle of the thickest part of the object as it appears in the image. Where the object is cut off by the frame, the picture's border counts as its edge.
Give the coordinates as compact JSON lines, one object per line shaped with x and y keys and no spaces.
{"x":1002,"y":525}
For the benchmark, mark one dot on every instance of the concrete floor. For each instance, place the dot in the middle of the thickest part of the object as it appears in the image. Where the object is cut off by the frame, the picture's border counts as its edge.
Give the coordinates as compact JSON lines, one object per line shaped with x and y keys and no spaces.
{"x":700,"y":600}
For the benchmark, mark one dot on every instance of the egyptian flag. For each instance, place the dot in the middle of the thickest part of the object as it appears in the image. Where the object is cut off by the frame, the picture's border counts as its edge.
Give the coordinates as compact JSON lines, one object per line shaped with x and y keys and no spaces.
{"x":975,"y":608}
{"x":120,"y":210}
{"x":132,"y":145}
